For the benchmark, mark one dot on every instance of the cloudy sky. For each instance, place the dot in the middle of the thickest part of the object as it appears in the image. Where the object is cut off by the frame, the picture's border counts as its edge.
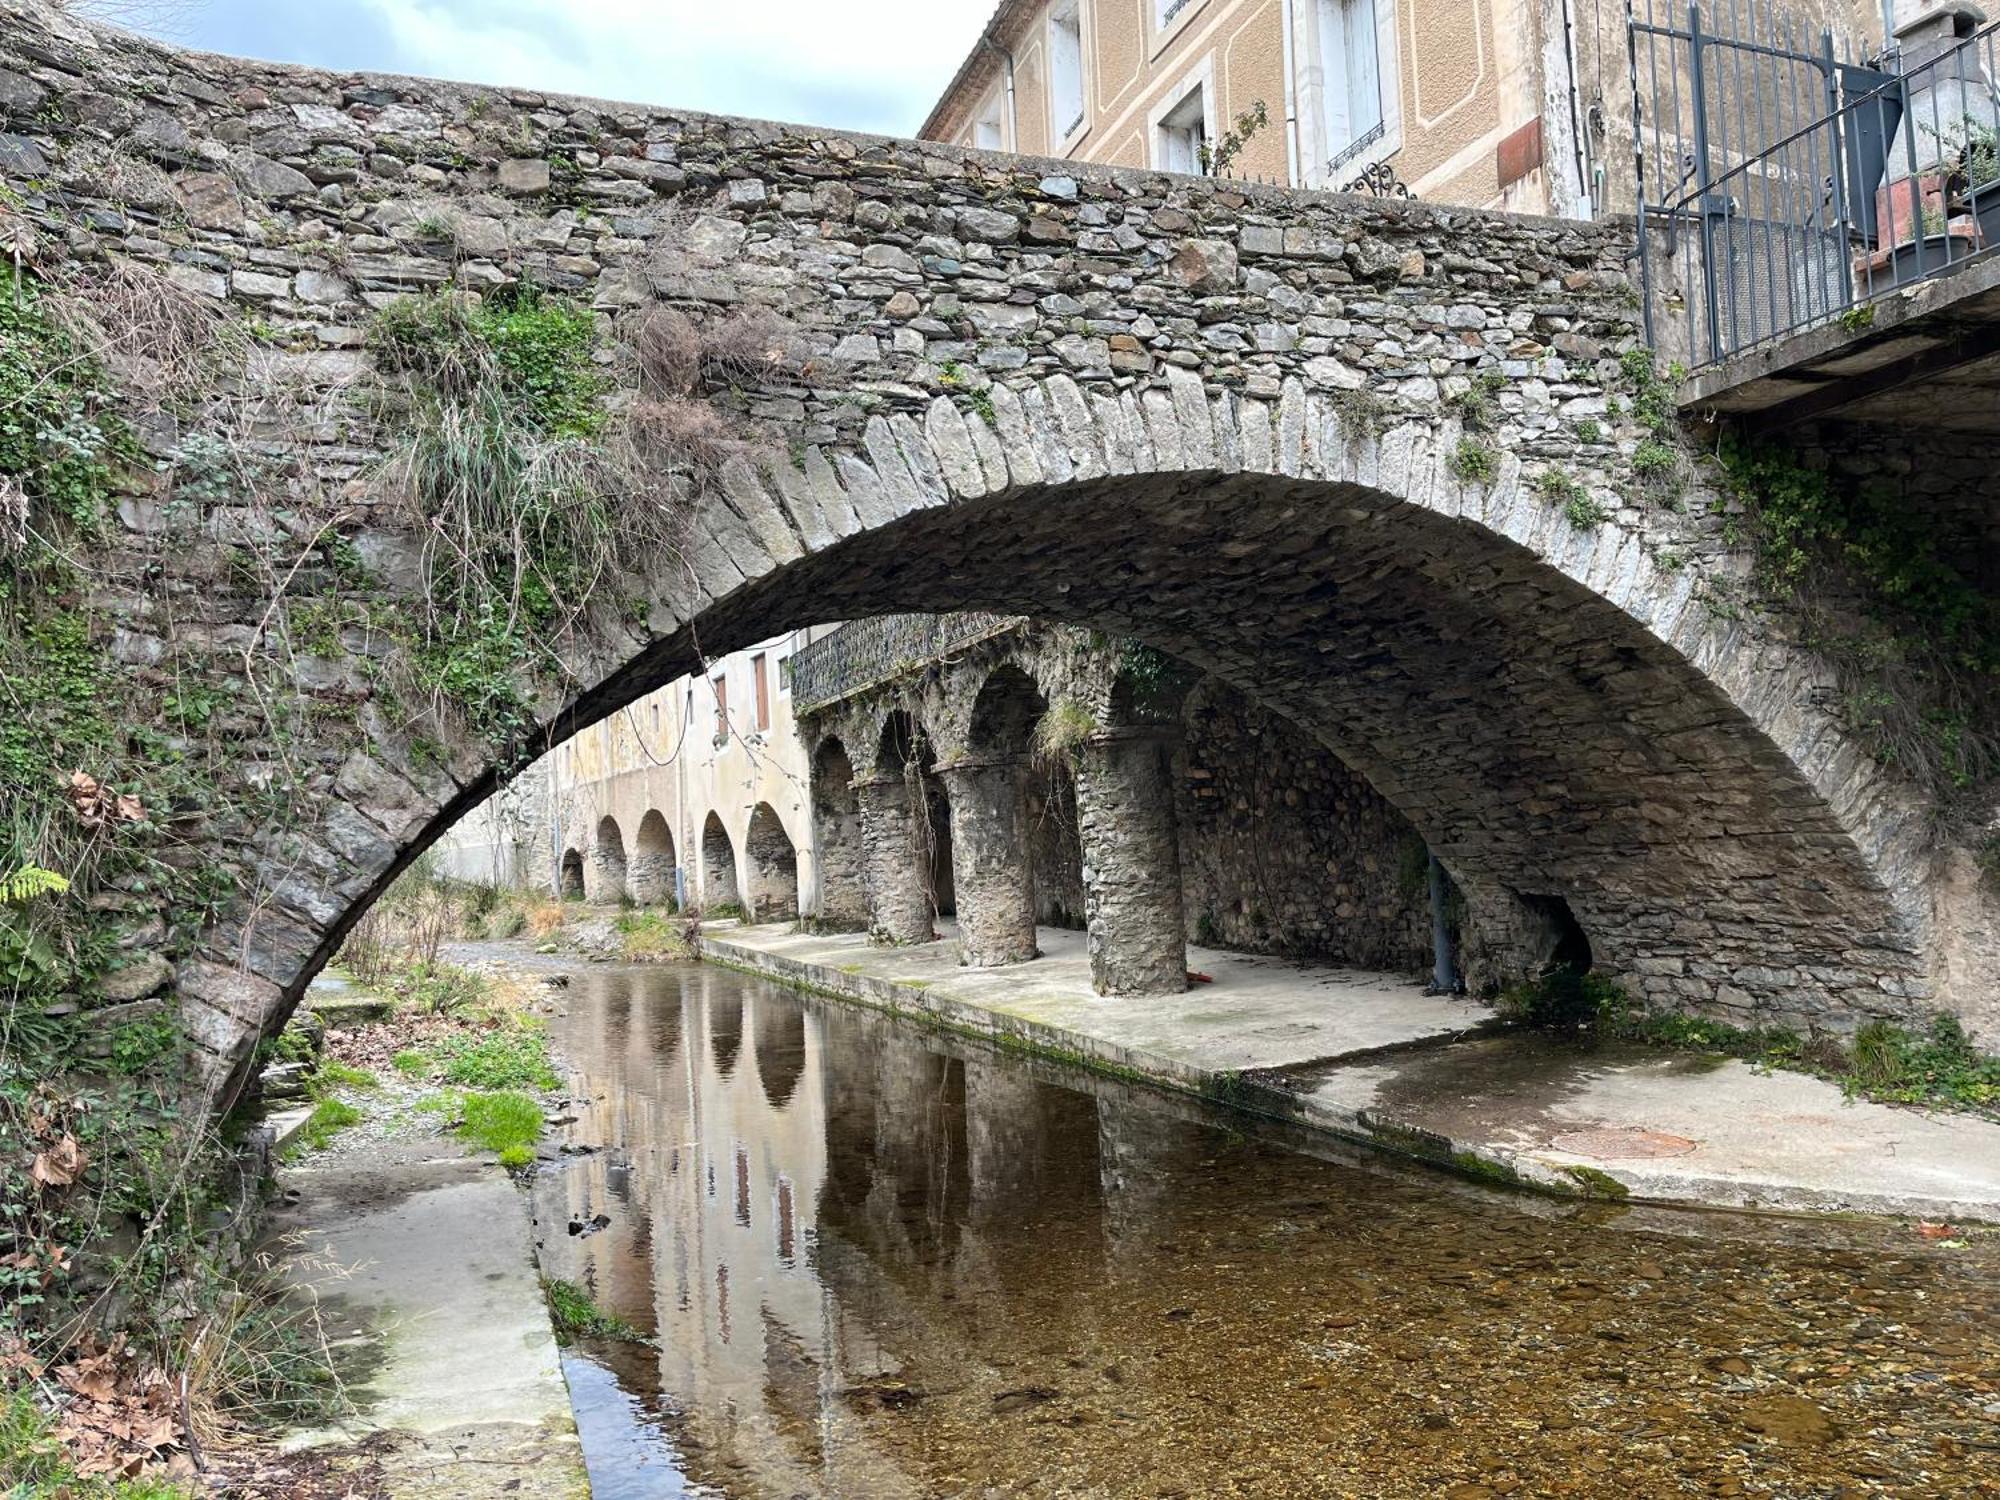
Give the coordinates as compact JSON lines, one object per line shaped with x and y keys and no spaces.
{"x":865,"y":64}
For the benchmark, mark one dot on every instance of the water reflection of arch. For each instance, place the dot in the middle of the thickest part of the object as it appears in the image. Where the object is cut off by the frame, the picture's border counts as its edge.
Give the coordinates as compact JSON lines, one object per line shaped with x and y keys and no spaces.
{"x":778,"y":1034}
{"x":724,"y":1014}
{"x":897,"y":1185}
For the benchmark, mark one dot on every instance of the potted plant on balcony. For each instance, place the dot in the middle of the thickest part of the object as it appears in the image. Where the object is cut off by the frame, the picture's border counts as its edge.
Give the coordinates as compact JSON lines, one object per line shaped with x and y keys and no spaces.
{"x":1919,"y":233}
{"x":1979,"y":174}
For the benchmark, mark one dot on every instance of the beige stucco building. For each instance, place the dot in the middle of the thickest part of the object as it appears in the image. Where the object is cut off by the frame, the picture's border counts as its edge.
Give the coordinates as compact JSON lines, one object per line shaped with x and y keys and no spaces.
{"x":695,"y":795}
{"x":1515,"y":104}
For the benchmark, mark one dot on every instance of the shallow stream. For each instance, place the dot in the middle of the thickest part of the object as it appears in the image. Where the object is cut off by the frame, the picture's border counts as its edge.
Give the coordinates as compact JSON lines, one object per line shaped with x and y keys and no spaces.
{"x":878,"y":1263}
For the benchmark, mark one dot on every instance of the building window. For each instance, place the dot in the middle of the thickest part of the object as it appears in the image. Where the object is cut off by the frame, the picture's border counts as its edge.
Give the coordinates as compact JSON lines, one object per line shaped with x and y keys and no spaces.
{"x":1352,"y":75}
{"x":988,"y":131}
{"x":1165,"y":12}
{"x":721,"y":685}
{"x":1066,"y":69}
{"x":784,"y":675}
{"x":1183,"y":141}
{"x":761,"y":678}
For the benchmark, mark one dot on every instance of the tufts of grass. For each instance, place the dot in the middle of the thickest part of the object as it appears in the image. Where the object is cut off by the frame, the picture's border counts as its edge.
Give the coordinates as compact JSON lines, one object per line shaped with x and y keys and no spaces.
{"x":1935,"y":1066}
{"x":439,"y":987}
{"x":576,"y":1316}
{"x":650,"y":936}
{"x":411,"y":1064}
{"x":1060,"y":733}
{"x":328,"y":1119}
{"x":507,"y":1124}
{"x":514,"y":1058}
{"x":1472,"y":461}
{"x":332,"y":1074}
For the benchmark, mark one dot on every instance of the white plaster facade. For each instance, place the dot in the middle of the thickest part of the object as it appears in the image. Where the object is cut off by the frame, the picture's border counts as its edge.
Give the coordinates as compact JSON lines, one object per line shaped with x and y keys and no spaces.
{"x":696,"y":795}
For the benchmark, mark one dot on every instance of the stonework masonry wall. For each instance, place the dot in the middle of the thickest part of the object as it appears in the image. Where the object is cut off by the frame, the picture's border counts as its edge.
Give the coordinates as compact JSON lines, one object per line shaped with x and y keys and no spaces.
{"x":1286,"y":850}
{"x":1226,"y":420}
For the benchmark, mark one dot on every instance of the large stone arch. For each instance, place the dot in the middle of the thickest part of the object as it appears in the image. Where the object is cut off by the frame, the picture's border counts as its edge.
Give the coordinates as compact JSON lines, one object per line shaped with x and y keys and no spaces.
{"x":1213,"y":417}
{"x":1556,"y":711}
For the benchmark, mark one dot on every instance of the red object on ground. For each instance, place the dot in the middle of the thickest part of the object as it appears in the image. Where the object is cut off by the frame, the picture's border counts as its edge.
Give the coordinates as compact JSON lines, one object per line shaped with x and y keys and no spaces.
{"x":1194,"y":978}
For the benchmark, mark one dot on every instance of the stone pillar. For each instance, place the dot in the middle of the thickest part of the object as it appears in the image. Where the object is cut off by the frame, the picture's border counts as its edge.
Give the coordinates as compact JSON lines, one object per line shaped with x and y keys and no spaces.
{"x":895,"y":852}
{"x":993,"y":875}
{"x":838,"y":863}
{"x":1131,"y":862}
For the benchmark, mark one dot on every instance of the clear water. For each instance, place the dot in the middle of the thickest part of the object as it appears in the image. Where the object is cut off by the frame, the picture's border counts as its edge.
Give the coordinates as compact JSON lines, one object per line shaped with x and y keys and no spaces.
{"x":882,"y":1264}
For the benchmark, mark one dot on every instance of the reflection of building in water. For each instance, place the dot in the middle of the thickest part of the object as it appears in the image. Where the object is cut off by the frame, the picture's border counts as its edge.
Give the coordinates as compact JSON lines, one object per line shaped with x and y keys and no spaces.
{"x":713,"y":1209}
{"x":802,"y":1211}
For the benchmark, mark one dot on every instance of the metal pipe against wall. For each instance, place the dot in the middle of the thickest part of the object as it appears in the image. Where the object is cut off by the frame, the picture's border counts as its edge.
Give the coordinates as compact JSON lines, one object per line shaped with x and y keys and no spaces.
{"x":1291,"y":97}
{"x":1444,"y":960}
{"x":1013,"y":140}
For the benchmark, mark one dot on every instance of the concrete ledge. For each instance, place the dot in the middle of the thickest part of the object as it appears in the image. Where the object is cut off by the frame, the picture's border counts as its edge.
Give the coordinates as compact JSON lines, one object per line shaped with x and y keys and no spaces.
{"x":1422,"y":1099}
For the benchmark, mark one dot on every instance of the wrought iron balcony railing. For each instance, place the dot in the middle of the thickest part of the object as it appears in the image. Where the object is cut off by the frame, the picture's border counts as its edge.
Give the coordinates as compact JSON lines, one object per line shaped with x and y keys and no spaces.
{"x":1783,"y":188}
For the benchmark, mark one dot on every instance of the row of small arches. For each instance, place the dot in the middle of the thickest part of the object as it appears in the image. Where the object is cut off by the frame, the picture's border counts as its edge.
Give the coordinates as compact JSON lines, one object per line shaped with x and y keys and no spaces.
{"x":763,"y":882}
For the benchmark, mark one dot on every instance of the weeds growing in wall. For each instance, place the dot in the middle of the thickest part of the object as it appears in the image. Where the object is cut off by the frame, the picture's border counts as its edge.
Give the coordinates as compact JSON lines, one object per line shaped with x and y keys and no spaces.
{"x":528,"y":496}
{"x":105,"y":1196}
{"x":1915,"y":643}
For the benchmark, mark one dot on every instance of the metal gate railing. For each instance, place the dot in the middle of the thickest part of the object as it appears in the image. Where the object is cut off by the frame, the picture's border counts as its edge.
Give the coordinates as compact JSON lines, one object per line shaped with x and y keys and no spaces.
{"x":1781,"y":186}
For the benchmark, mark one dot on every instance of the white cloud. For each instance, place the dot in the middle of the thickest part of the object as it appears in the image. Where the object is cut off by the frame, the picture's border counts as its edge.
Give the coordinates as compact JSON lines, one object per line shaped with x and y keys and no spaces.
{"x":864,"y":64}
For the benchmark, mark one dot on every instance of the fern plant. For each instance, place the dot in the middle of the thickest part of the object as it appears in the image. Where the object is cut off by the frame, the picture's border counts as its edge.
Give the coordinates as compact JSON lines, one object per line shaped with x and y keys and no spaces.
{"x":30,"y":882}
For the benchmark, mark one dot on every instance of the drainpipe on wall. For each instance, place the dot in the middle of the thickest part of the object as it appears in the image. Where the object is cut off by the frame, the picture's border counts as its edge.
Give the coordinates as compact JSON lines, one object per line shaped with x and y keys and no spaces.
{"x":1291,"y":99}
{"x":1444,"y":962}
{"x":1585,"y":207}
{"x":986,"y":40}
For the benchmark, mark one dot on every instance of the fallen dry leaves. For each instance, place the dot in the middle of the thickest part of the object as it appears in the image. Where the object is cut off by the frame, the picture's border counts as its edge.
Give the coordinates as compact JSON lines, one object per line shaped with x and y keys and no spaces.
{"x":97,"y":806}
{"x":116,"y":1417}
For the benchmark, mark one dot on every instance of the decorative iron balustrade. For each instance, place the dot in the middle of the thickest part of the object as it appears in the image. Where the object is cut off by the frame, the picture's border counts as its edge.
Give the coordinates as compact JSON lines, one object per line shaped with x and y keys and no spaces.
{"x":864,"y":654}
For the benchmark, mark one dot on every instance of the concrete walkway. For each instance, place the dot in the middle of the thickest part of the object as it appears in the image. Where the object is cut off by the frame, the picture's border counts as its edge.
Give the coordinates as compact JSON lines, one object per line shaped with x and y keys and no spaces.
{"x":1369,"y":1057}
{"x":422,"y":1258}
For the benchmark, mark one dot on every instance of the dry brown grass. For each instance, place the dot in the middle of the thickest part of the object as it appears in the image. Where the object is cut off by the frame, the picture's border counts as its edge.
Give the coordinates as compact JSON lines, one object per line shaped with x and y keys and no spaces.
{"x":161,"y":339}
{"x":545,"y":915}
{"x":752,"y":344}
{"x":669,"y":351}
{"x":678,"y":434}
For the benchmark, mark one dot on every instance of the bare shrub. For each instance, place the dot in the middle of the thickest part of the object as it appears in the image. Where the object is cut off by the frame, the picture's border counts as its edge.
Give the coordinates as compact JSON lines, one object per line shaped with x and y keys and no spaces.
{"x":669,"y":351}
{"x":679,"y":434}
{"x":751,"y":344}
{"x":161,"y":338}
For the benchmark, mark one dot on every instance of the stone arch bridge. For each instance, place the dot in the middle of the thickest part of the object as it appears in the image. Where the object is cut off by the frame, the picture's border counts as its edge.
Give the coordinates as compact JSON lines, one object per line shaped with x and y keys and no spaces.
{"x":1368,"y":462}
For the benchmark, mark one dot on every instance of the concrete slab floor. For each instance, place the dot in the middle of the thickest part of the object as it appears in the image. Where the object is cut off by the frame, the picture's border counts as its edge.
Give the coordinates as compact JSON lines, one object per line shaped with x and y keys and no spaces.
{"x":1256,"y":1013}
{"x":1369,"y":1057}
{"x":423,"y":1256}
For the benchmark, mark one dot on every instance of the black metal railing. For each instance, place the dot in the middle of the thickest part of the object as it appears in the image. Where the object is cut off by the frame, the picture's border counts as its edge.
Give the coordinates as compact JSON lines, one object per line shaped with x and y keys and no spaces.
{"x":1807,"y":187}
{"x":863,"y":654}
